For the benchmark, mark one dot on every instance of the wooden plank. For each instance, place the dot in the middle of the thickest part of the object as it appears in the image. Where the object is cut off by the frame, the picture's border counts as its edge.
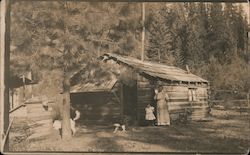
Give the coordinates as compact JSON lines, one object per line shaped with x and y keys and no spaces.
{"x":178,"y":103}
{"x":143,"y":82}
{"x":202,"y":90}
{"x":145,"y":97}
{"x":177,"y":93}
{"x":144,"y":90}
{"x":176,"y":88}
{"x":178,"y":107}
{"x":140,"y":103}
{"x":143,"y":85}
{"x":187,"y":102}
{"x":145,"y":93}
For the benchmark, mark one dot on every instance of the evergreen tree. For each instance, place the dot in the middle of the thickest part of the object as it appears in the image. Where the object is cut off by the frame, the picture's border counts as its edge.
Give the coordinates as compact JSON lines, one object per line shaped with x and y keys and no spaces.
{"x":160,"y":37}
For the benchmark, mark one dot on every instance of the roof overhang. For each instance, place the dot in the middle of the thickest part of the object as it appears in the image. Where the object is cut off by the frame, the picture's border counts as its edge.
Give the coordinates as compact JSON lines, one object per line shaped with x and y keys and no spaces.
{"x":155,"y":70}
{"x":106,"y":86}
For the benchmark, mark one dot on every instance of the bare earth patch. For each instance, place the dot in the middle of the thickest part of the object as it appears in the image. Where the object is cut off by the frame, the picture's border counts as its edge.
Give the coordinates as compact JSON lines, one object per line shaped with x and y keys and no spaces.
{"x":228,"y":132}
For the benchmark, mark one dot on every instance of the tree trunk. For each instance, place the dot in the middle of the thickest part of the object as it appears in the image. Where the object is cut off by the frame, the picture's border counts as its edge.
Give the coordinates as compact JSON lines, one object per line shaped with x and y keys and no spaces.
{"x":66,"y":130}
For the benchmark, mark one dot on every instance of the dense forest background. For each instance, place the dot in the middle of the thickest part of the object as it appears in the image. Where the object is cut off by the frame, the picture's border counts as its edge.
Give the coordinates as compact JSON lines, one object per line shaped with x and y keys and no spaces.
{"x":48,"y":37}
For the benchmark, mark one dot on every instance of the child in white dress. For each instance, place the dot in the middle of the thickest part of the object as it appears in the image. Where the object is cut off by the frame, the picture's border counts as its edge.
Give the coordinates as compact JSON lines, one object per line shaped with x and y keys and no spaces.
{"x":150,"y":117}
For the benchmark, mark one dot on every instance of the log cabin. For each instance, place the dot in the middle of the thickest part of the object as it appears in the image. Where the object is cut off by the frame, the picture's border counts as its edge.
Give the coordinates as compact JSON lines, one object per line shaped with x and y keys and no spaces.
{"x":132,"y":88}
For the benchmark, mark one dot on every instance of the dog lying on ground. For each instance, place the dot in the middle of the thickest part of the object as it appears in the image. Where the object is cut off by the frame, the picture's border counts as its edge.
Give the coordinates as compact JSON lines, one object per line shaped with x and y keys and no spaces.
{"x":121,"y":123}
{"x":117,"y":126}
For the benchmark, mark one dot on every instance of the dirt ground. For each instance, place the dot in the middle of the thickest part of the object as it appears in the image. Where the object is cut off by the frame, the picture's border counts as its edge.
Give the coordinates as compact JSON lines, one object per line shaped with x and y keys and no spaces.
{"x":228,"y":132}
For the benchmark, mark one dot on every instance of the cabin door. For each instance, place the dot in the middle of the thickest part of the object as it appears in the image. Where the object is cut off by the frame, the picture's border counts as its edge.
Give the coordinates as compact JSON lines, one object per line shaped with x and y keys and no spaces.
{"x":129,"y":100}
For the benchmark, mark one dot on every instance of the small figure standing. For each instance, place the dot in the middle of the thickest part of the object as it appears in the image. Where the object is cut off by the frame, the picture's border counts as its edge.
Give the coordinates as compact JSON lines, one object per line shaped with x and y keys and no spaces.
{"x":74,"y":115}
{"x":150,"y":117}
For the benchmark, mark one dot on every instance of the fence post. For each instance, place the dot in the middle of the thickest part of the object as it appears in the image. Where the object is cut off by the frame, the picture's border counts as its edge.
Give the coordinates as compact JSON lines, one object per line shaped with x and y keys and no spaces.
{"x":248,"y":100}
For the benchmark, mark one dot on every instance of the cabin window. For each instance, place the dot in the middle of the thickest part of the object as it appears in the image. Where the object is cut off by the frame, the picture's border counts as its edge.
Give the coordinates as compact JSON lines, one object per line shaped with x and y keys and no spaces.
{"x":192,"y":94}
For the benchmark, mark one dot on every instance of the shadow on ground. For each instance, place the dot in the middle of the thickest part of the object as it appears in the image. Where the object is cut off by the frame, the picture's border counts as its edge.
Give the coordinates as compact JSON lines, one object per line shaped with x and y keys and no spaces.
{"x":228,"y":132}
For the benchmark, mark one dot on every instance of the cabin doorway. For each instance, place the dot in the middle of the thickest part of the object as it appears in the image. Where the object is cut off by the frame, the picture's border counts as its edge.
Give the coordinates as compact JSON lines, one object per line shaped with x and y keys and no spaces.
{"x":129,"y":101}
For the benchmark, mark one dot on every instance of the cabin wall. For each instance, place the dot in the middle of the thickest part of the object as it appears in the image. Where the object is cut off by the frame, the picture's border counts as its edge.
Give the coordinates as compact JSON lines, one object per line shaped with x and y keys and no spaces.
{"x":181,"y":100}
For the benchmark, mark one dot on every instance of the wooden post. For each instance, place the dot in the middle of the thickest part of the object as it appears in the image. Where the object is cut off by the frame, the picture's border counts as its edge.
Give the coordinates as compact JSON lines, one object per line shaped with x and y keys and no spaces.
{"x":23,"y":77}
{"x":143,"y":31}
{"x":12,"y":98}
{"x":122,"y":99}
{"x":248,"y":104}
{"x":4,"y":72}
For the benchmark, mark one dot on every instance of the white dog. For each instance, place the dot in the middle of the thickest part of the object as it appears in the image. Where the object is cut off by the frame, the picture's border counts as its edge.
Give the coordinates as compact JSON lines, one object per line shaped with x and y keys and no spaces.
{"x":117,"y":126}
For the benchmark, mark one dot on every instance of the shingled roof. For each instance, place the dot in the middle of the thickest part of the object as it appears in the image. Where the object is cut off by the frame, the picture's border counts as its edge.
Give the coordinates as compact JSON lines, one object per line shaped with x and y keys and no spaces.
{"x":155,"y":70}
{"x":92,"y":78}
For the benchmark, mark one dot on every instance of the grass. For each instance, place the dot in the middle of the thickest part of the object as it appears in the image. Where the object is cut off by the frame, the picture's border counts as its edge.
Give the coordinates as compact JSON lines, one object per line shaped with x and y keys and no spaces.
{"x":228,"y":132}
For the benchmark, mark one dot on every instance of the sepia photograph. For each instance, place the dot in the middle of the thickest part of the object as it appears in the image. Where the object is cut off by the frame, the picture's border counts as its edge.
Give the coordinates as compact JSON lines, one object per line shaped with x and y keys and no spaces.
{"x":125,"y":77}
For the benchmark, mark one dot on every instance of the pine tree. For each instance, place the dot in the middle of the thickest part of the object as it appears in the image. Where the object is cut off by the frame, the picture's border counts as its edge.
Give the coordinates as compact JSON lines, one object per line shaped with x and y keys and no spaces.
{"x":160,"y":38}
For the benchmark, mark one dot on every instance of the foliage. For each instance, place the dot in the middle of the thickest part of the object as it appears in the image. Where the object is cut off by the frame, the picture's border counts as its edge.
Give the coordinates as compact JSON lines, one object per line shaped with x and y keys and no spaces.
{"x":65,"y":36}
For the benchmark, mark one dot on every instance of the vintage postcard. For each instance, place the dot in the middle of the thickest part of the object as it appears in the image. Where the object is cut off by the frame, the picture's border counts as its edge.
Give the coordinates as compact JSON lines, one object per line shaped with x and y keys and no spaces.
{"x":125,"y":77}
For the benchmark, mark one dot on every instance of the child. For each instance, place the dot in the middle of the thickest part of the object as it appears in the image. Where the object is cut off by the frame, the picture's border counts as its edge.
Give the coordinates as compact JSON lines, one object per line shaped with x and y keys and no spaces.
{"x":74,"y":115}
{"x":150,"y":117}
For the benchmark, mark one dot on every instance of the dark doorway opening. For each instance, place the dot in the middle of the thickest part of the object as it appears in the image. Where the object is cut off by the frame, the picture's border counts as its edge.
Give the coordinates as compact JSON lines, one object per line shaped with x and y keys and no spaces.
{"x":129,"y":93}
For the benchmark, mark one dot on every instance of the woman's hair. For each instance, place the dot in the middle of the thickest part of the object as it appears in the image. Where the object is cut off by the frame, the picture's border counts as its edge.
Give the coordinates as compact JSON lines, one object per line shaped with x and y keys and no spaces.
{"x":160,"y":88}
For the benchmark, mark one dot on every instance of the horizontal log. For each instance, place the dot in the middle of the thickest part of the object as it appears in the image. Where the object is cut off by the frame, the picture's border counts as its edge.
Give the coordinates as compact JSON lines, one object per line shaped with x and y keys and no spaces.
{"x":141,"y":103}
{"x":144,"y":89}
{"x":141,"y":78}
{"x":144,"y":85}
{"x":145,"y":94}
{"x":179,"y":99}
{"x":187,"y":102}
{"x":200,"y":103}
{"x":200,"y":112}
{"x":172,"y":108}
{"x":145,"y":97}
{"x":181,"y":93}
{"x":176,"y":111}
{"x":198,"y":117}
{"x":176,"y":88}
{"x":180,"y":103}
{"x":201,"y":90}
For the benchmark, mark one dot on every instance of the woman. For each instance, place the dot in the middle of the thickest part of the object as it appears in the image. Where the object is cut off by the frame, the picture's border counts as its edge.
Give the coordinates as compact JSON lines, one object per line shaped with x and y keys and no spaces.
{"x":162,"y":108}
